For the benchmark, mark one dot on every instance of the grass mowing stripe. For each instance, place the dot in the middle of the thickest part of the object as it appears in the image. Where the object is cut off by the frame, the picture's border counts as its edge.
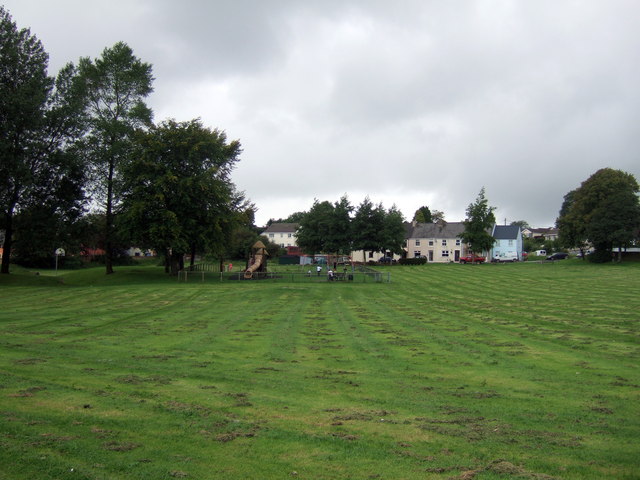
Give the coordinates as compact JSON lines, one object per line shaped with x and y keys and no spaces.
{"x":450,"y":371}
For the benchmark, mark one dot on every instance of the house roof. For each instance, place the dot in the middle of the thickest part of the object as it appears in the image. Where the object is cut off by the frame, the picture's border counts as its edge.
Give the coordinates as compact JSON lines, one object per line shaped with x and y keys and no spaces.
{"x":544,"y":231}
{"x":282,"y":228}
{"x":437,"y":230}
{"x":506,"y":232}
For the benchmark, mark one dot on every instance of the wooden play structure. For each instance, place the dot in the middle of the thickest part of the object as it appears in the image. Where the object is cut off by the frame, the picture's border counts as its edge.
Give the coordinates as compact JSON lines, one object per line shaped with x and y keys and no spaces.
{"x":258,"y":260}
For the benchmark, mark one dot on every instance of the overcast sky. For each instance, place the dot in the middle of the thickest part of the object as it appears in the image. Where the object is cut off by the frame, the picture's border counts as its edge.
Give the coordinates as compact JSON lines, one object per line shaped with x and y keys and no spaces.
{"x":411,"y":102}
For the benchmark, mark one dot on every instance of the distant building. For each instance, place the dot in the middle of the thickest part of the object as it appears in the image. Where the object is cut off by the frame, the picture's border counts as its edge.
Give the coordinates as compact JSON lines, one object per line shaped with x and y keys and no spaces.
{"x":508,"y":240}
{"x":550,"y":233}
{"x":437,"y":242}
{"x":283,"y":234}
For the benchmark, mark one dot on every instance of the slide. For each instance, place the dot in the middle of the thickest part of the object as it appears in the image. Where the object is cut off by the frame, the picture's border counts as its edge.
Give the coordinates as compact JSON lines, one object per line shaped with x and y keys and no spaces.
{"x":259,"y":256}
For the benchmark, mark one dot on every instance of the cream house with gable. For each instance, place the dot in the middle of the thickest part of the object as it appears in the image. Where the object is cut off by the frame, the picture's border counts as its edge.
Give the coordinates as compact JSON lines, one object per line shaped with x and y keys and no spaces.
{"x":284,"y":234}
{"x":438,"y":242}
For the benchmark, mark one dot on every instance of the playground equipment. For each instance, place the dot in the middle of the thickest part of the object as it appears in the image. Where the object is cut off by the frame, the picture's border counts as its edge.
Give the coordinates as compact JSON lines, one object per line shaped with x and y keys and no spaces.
{"x":258,"y":260}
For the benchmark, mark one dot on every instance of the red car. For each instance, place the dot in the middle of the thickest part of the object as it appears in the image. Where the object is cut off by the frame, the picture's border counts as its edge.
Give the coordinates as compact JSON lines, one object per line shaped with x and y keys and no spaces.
{"x":472,"y":259}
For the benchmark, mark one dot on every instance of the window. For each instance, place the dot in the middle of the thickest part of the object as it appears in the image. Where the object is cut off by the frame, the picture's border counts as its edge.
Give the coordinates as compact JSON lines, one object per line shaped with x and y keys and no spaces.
{"x":417,"y":254}
{"x":458,"y":242}
{"x":271,"y":235}
{"x":445,"y":253}
{"x":510,"y":242}
{"x":431,"y":243}
{"x":417,"y":242}
{"x":444,"y":242}
{"x":289,"y":235}
{"x":370,"y":254}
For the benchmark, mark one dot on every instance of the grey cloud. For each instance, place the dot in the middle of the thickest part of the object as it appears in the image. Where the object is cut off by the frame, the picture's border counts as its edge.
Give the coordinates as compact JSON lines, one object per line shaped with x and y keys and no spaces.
{"x":412,"y":102}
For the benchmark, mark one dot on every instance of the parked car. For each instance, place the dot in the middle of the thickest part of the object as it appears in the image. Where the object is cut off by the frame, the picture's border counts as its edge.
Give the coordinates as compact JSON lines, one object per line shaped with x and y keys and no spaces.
{"x":505,"y":257}
{"x":472,"y":259}
{"x":558,"y":256}
{"x":386,"y":260}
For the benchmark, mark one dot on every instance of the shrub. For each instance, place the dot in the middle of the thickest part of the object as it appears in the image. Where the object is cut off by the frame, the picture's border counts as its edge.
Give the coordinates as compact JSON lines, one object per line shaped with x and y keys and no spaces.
{"x":600,"y":256}
{"x":412,"y":261}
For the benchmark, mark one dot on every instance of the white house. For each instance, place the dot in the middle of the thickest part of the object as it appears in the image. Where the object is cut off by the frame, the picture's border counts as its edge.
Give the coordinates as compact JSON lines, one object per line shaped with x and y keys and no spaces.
{"x":284,"y":234}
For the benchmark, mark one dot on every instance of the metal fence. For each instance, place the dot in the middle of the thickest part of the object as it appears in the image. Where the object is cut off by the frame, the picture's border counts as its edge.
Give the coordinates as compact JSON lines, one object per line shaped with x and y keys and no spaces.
{"x":363,"y":275}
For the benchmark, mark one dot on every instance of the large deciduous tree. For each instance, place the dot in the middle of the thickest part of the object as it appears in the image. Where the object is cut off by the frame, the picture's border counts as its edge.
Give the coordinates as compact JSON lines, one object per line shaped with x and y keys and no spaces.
{"x":40,"y":119}
{"x":394,"y":231}
{"x":571,"y":229}
{"x":177,"y":190}
{"x":314,"y":226}
{"x":480,"y":219}
{"x":117,"y":84}
{"x":338,"y":235}
{"x":604,"y":211}
{"x":368,"y":227}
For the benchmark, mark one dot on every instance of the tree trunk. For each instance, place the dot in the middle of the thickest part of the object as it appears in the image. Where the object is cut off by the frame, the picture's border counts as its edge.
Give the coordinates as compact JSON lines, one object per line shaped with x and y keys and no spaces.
{"x":167,"y":256}
{"x":6,"y":247}
{"x":174,"y":263}
{"x":108,"y":244}
{"x":193,"y":255}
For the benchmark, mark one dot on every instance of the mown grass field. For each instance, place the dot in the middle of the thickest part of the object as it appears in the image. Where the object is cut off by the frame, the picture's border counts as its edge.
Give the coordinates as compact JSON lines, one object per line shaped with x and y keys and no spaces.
{"x":448,"y":372}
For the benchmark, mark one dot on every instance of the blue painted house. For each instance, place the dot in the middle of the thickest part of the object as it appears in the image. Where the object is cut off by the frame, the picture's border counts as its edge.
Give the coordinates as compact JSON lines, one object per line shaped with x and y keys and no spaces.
{"x":508,"y":240}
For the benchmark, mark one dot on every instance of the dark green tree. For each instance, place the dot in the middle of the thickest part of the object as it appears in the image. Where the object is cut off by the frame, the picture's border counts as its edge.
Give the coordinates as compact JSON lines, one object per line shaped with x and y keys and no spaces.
{"x":314,"y":228}
{"x":604,"y":211}
{"x":423,"y":215}
{"x":477,"y":226}
{"x":368,"y":227}
{"x":240,"y":242}
{"x":571,"y":229}
{"x":116,"y":84}
{"x":40,"y":119}
{"x":338,"y":235}
{"x":295,"y":217}
{"x":394,"y":231}
{"x":177,"y":190}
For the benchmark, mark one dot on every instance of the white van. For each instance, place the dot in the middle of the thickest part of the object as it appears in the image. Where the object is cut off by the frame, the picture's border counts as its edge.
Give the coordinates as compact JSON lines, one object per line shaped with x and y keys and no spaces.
{"x":506,"y":257}
{"x":541,"y":253}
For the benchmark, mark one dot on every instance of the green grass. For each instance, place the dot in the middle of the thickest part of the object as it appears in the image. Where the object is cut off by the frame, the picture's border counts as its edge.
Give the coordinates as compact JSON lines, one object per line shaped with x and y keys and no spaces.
{"x":449,"y":371}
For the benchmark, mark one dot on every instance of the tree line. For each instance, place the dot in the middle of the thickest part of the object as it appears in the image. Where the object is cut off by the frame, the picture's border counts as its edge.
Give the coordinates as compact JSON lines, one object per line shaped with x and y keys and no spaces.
{"x":85,"y":141}
{"x":340,"y":228}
